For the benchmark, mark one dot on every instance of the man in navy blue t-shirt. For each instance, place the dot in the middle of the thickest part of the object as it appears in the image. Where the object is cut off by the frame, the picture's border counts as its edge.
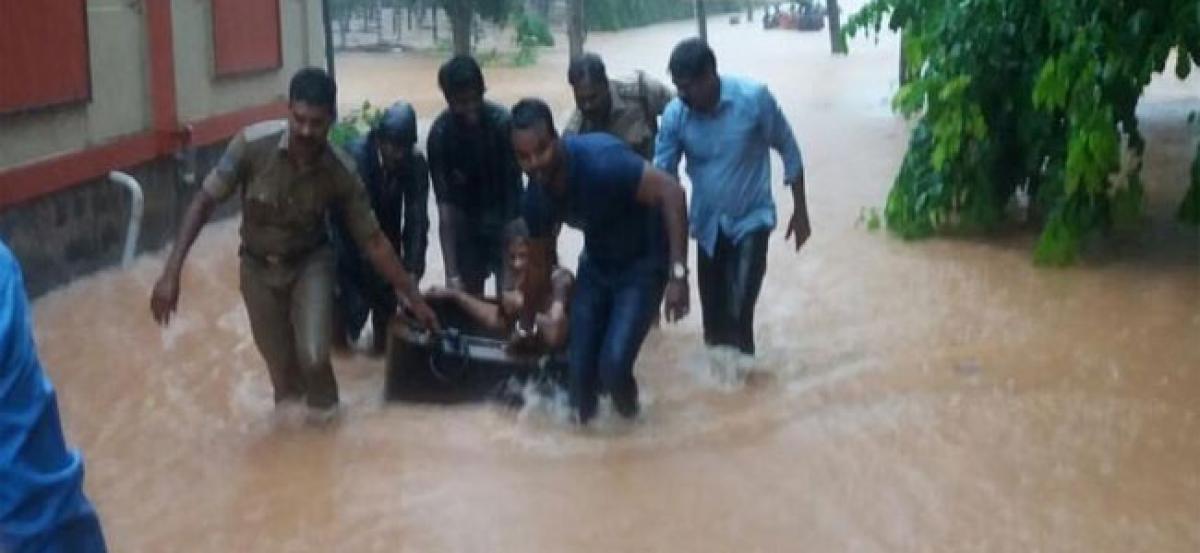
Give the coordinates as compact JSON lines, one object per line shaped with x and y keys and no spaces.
{"x":634,"y":223}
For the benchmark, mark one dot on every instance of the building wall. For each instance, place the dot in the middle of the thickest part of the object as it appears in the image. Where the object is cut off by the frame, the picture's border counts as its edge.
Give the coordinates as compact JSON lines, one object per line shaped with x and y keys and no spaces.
{"x":120,"y":92}
{"x":72,"y":233}
{"x":121,"y":102}
{"x":71,"y":229}
{"x":202,"y":94}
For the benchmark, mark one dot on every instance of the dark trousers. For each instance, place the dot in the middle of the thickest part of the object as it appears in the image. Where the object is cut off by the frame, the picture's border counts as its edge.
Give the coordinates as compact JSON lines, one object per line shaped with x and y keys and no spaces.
{"x":359,"y":292}
{"x":290,"y":308}
{"x":480,"y":256}
{"x":611,"y":312}
{"x":730,"y":281}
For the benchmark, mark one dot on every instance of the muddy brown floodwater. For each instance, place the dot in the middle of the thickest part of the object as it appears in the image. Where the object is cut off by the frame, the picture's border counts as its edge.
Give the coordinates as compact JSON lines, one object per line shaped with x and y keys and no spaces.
{"x":937,"y":396}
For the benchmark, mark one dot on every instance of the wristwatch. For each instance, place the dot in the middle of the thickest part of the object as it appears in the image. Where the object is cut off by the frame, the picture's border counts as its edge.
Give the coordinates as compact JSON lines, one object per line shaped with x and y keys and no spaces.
{"x":679,"y":271}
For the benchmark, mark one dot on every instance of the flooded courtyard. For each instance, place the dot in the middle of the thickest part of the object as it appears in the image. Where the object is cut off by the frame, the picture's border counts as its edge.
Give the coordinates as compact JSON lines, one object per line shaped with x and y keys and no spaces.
{"x":945,"y":395}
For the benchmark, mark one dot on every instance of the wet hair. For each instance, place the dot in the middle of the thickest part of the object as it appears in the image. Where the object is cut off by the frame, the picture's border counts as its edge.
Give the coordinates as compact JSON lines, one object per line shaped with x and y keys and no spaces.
{"x":313,"y":86}
{"x":531,"y":112}
{"x":588,"y":67}
{"x":514,"y":231}
{"x":460,"y":74}
{"x":692,"y":58}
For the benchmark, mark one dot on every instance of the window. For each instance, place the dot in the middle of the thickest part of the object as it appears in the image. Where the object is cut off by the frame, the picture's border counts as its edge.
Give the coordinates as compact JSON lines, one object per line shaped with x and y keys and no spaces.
{"x":246,"y":36}
{"x":43,"y":54}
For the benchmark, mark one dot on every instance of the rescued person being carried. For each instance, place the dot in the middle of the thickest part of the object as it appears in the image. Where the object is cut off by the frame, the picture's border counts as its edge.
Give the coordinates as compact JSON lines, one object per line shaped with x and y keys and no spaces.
{"x":532,"y":311}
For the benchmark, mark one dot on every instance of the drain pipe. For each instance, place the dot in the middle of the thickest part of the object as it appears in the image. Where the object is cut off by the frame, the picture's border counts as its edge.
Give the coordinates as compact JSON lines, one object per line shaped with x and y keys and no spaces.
{"x":136,"y":206}
{"x":327,"y":22}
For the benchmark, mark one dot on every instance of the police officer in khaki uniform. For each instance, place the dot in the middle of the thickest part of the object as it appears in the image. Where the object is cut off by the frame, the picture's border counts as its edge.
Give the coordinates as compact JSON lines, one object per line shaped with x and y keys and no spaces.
{"x":288,"y":177}
{"x":627,"y":109}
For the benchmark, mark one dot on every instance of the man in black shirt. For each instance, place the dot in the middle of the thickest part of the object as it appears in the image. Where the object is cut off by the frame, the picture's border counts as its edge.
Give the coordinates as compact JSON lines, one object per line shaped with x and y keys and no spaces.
{"x":476,"y":179}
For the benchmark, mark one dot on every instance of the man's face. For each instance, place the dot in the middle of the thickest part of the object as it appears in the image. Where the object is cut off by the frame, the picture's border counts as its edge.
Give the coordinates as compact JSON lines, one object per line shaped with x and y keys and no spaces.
{"x":593,"y":100}
{"x":308,"y":127}
{"x":513,"y":300}
{"x":537,"y":153}
{"x":466,"y":106}
{"x":518,"y":258}
{"x":393,"y":154}
{"x":700,"y":93}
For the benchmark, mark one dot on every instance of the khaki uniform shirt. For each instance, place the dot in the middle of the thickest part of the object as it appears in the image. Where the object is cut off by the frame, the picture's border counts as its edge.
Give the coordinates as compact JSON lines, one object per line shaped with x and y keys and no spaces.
{"x":636,"y":105}
{"x":284,"y":207}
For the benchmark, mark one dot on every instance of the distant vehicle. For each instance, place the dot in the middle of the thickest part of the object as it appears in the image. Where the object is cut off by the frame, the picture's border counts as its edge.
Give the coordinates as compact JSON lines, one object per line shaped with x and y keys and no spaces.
{"x":803,"y":16}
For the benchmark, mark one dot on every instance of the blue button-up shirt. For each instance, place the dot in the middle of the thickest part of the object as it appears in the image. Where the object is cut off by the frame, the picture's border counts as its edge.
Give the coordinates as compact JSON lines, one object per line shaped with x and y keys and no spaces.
{"x":41,"y":479}
{"x":728,"y":159}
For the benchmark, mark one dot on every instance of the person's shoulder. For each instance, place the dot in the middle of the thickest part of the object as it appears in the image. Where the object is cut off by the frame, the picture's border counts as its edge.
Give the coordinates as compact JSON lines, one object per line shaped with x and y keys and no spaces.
{"x":633,"y":84}
{"x":593,"y":142}
{"x":264,"y":132}
{"x":674,"y":110}
{"x":496,"y":114}
{"x":743,"y":87}
{"x":342,"y":163}
{"x":602,"y":154}
{"x":626,"y":87}
{"x":593,"y":148}
{"x":257,"y":140}
{"x":440,"y":123}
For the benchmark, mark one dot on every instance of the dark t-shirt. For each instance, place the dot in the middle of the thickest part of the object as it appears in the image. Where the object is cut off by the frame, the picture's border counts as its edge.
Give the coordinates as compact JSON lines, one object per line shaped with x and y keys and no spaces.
{"x":475,"y":169}
{"x":603,"y":175}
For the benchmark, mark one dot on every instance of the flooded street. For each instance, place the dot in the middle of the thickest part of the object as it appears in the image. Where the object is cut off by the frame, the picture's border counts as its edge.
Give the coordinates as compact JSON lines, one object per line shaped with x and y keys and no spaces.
{"x":944,"y":395}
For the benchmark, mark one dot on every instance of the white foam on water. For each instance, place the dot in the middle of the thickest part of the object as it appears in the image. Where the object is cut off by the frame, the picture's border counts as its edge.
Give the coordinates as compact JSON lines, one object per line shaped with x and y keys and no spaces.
{"x":180,"y":325}
{"x":237,"y":322}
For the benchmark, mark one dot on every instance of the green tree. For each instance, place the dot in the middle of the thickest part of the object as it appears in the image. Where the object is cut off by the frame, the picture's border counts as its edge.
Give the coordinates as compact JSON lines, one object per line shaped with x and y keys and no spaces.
{"x":1027,"y":95}
{"x":342,"y":12}
{"x":462,"y":14}
{"x":576,"y":27}
{"x":837,"y":39}
{"x":612,"y":15}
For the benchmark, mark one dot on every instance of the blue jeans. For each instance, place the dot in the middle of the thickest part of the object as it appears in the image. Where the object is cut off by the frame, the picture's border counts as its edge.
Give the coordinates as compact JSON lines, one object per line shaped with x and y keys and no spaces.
{"x":611,"y":312}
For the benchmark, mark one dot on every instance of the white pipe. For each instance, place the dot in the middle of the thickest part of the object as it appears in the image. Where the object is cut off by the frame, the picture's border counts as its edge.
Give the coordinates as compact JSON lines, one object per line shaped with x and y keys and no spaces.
{"x":136,"y":206}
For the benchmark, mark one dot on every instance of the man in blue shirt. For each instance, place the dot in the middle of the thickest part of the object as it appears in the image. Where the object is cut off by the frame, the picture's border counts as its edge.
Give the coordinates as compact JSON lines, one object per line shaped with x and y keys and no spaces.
{"x":726,"y":126}
{"x":42,"y":505}
{"x":633,"y":218}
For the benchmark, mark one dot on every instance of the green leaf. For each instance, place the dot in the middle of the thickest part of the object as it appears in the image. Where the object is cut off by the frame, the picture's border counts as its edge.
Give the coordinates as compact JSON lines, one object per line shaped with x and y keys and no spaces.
{"x":1127,"y":205}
